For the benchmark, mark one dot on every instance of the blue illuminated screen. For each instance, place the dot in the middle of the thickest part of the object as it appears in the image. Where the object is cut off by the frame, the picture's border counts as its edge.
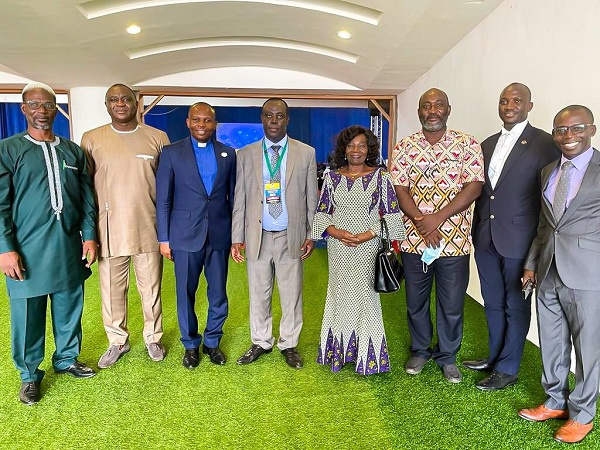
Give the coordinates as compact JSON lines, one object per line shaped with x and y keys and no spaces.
{"x":238,"y":135}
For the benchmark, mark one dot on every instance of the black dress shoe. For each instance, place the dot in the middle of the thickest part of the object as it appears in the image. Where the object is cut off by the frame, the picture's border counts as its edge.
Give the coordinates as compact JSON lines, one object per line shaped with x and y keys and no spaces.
{"x":252,"y":354}
{"x":78,"y":370}
{"x":215,"y":354}
{"x":191,"y":358}
{"x":30,"y":392}
{"x":497,"y":380}
{"x":481,"y":365}
{"x":292,"y":358}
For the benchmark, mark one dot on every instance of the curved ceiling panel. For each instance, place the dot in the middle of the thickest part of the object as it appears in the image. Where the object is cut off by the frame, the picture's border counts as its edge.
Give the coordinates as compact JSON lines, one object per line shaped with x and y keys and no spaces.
{"x":250,"y":77}
{"x":244,"y":41}
{"x":100,"y":8}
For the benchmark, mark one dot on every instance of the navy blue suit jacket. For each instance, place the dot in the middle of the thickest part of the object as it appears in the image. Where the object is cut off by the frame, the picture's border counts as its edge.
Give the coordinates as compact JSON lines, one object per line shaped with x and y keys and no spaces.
{"x":185,"y":214}
{"x":508,"y":215}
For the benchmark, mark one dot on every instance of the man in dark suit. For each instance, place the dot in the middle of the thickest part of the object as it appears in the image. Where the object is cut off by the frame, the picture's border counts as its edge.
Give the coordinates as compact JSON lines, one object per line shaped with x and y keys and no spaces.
{"x":564,"y":259}
{"x":504,"y":223}
{"x":195,"y":184}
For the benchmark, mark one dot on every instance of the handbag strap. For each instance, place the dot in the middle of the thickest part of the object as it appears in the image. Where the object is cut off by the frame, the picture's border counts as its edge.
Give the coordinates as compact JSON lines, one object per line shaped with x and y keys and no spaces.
{"x":385,"y":235}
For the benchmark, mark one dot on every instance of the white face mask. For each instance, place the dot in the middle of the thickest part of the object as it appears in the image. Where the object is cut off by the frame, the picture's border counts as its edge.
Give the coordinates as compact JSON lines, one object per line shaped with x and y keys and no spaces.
{"x":430,"y":254}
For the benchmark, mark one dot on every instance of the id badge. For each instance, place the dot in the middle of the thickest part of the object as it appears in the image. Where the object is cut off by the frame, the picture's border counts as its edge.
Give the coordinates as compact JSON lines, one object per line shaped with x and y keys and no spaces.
{"x":273,"y":192}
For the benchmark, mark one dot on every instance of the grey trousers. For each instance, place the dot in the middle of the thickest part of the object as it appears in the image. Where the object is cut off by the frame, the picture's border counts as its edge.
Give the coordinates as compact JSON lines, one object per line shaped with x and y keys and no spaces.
{"x":274,"y":263}
{"x":569,"y":317}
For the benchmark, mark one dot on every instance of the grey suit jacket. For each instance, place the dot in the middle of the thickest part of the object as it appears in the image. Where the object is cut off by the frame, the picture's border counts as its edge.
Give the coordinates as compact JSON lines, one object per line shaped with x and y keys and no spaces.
{"x":301,"y":196}
{"x":574,"y":241}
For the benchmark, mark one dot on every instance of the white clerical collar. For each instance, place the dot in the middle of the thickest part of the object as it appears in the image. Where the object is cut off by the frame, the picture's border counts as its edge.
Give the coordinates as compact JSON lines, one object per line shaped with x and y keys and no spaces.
{"x":517,"y":129}
{"x":125,"y":132}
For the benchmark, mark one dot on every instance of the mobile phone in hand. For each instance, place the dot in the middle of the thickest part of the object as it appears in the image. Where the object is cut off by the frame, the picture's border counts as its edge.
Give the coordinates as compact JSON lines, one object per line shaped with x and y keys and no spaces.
{"x":528,"y":289}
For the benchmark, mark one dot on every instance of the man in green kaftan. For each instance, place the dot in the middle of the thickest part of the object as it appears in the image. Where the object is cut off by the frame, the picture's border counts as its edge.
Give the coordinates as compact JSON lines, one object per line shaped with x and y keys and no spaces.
{"x":47,"y":240}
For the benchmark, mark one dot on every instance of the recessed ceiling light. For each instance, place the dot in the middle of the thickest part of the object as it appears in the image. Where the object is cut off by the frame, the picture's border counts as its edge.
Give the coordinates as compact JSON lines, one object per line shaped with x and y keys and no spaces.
{"x":344,"y":34}
{"x":474,"y":2}
{"x":133,"y":29}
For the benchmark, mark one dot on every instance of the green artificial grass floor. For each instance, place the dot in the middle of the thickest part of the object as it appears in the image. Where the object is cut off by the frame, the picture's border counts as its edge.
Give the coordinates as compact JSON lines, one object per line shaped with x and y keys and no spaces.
{"x":267,"y":405}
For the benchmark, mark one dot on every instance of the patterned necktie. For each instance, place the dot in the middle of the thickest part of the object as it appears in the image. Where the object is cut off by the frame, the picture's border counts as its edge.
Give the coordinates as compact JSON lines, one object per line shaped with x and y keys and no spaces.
{"x":562,"y":190}
{"x":275,"y":209}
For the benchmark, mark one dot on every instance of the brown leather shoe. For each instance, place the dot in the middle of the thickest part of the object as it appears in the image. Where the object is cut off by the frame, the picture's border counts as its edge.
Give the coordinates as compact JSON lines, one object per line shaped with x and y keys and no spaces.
{"x":541,"y":413}
{"x":572,"y":432}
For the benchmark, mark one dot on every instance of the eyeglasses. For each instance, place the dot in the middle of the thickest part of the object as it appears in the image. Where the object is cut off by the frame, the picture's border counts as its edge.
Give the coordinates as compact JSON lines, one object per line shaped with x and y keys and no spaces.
{"x":575,"y":129}
{"x":48,"y":106}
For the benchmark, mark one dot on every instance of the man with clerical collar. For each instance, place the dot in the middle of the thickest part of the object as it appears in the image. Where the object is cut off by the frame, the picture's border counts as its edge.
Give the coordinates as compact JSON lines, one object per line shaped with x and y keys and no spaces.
{"x":275,"y":202}
{"x":195,"y":186}
{"x":438,"y":173}
{"x":563,"y":260}
{"x":47,"y":240}
{"x":123,"y":159}
{"x":504,"y":224}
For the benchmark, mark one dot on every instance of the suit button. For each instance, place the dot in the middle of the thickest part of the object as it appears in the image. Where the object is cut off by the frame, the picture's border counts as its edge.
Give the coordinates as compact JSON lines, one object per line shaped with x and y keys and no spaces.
{"x":492,"y":216}
{"x":492,"y":197}
{"x":556,"y":232}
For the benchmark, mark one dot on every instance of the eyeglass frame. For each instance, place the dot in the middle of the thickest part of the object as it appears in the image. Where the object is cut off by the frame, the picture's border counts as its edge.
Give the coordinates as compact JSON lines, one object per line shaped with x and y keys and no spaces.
{"x":565,"y":130}
{"x":48,"y":106}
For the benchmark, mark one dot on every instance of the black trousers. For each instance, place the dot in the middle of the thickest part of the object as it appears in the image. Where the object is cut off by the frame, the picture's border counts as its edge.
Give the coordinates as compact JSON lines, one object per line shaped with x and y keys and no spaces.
{"x":451,"y":275}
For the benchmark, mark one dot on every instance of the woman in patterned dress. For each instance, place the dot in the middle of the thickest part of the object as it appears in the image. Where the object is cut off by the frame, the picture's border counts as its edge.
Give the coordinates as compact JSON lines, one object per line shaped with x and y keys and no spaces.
{"x":352,"y":199}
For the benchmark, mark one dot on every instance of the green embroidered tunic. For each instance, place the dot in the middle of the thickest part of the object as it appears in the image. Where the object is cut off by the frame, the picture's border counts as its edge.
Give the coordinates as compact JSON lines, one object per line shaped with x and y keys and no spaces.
{"x":46,"y":207}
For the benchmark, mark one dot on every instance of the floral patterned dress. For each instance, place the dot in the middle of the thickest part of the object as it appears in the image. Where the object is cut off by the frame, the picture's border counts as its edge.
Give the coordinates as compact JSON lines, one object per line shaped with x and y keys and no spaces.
{"x":352,"y":329}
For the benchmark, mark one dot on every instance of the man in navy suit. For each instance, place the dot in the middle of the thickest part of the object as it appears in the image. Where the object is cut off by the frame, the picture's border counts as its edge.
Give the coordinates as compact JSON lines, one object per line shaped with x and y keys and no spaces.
{"x":194,"y":200}
{"x":504,"y":225}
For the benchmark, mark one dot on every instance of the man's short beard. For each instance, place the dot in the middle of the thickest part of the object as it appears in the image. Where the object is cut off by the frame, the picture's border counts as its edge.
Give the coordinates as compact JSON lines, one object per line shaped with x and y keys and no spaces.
{"x":46,"y":126}
{"x":433,"y":128}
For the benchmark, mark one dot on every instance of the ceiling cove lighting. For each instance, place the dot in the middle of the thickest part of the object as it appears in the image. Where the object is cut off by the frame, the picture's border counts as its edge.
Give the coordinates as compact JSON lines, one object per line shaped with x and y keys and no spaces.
{"x":133,"y":29}
{"x":100,"y":8}
{"x":344,"y":34}
{"x":241,"y":42}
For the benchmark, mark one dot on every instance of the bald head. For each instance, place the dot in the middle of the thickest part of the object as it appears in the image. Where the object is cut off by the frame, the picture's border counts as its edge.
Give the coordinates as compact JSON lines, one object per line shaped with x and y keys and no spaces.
{"x":573,"y":109}
{"x":201,"y":121}
{"x":514,"y":105}
{"x":434,"y":91}
{"x":520,"y":86}
{"x":434,"y":110}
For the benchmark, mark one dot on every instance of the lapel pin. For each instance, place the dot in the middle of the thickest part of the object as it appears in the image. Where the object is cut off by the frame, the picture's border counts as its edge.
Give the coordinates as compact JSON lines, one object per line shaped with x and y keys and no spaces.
{"x":524,"y":142}
{"x":224,"y":155}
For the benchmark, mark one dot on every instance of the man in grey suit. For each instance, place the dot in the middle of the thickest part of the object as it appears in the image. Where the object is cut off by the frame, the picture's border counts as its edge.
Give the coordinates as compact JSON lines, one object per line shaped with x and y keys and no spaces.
{"x":274,"y":203}
{"x":564,"y":259}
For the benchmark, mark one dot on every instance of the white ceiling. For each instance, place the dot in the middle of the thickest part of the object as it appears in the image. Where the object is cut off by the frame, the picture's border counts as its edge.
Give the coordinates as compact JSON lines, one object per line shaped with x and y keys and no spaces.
{"x":53,"y":41}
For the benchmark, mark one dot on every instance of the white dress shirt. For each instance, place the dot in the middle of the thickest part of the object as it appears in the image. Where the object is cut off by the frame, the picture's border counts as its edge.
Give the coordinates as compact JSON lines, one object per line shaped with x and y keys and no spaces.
{"x":506,"y":142}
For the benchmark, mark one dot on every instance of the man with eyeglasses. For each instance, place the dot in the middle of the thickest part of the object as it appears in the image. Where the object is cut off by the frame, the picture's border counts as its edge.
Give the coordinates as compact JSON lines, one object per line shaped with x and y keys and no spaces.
{"x":438,"y":174}
{"x":563,"y":260}
{"x":504,"y":224}
{"x":47,"y":240}
{"x":123,"y":160}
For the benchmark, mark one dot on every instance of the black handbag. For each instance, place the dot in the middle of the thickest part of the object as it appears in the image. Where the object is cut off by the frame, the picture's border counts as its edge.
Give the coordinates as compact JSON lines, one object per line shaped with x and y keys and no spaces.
{"x":388,"y":270}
